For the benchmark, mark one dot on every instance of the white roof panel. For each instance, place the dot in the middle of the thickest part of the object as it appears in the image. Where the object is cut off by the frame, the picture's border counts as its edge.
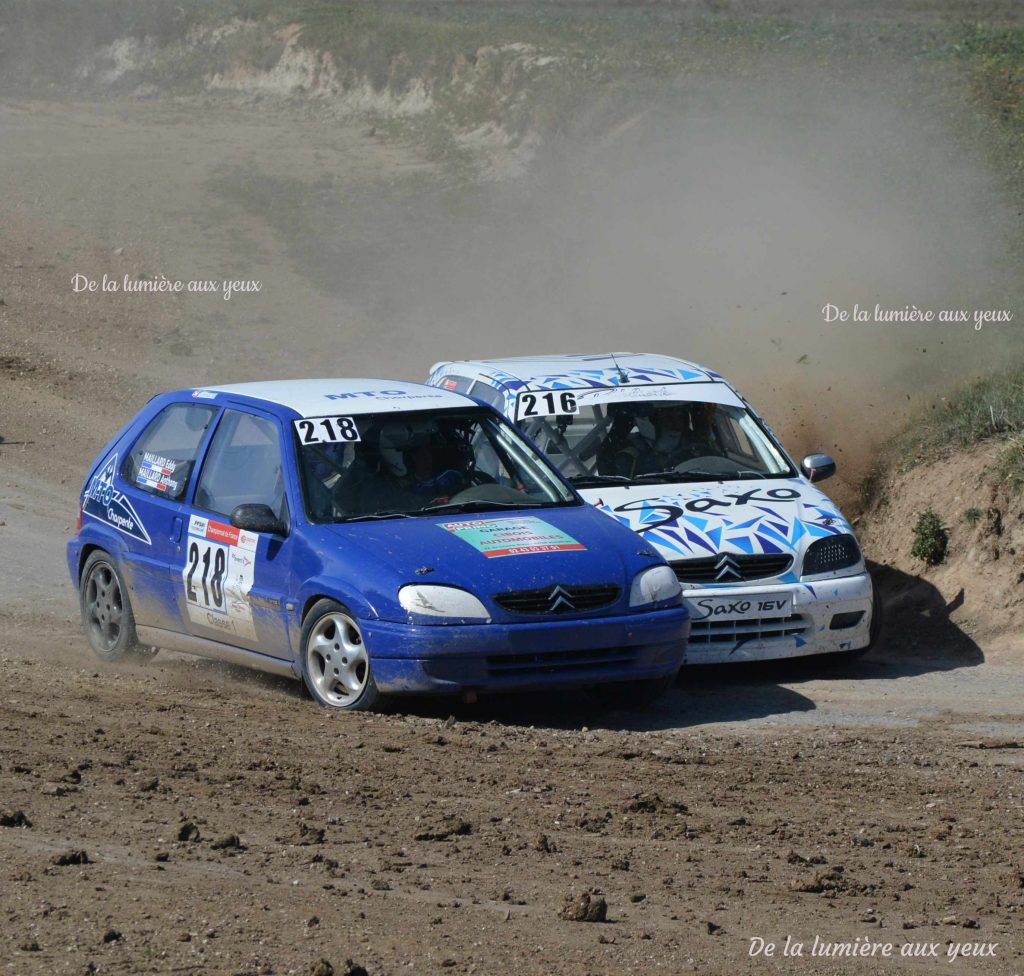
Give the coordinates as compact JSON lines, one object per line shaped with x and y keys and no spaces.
{"x":692,"y":392}
{"x":599,"y":370}
{"x":318,"y":398}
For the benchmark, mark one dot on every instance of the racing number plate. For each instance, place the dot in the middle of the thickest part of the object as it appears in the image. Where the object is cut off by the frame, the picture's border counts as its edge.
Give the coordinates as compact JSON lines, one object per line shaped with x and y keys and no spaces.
{"x":740,"y":607}
{"x":545,"y":403}
{"x":327,"y":430}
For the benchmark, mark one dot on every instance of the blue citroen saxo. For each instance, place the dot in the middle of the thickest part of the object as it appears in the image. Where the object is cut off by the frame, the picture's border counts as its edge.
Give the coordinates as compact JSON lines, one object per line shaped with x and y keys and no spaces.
{"x":373,"y":537}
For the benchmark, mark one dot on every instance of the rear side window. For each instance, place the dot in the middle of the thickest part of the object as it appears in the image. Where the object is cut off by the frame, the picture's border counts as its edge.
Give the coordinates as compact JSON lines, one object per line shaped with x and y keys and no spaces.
{"x":457,"y":384}
{"x":243,"y":467}
{"x":489,"y":395}
{"x":163,"y":457}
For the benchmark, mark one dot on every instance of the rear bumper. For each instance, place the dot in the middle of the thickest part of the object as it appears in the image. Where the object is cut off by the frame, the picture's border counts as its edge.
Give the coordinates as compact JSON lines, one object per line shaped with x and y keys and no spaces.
{"x":74,"y":557}
{"x":809,"y":630}
{"x":550,"y":654}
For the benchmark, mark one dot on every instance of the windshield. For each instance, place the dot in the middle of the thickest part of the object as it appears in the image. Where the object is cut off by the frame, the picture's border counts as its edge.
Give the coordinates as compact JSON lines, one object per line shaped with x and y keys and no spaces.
{"x":394,"y":465}
{"x":654,"y":441}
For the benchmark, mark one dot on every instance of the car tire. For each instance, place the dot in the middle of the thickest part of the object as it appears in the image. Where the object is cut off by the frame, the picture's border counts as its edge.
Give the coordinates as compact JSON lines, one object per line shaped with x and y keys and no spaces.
{"x":107,"y":615}
{"x":632,"y":694}
{"x":336,"y":666}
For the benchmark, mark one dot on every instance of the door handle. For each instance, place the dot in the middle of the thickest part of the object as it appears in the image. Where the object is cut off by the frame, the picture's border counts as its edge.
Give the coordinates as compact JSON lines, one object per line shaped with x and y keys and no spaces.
{"x":176,"y":529}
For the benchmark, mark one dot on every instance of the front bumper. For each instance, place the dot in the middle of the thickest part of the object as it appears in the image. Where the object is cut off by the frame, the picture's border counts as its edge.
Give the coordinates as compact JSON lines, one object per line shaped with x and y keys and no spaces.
{"x":547,"y":654}
{"x":808,"y":630}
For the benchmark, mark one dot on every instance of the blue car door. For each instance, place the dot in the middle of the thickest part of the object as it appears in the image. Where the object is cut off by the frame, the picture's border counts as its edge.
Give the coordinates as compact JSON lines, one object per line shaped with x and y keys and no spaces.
{"x":233,"y":584}
{"x":140,"y":495}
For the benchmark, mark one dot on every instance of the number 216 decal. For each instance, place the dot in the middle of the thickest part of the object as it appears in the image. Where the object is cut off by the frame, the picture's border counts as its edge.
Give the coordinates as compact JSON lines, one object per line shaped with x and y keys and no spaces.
{"x":327,"y":430}
{"x":545,"y":404}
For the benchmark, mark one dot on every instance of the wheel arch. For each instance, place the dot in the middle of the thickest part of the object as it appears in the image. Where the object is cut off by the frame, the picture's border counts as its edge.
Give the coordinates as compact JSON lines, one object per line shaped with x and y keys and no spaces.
{"x":313,"y":601}
{"x":87,"y":550}
{"x":355,"y":602}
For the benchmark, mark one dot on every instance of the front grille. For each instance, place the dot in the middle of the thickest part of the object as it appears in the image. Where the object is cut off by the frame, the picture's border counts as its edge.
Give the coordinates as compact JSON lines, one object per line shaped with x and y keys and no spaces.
{"x":553,"y":662}
{"x":559,"y":598}
{"x":731,"y":568}
{"x":707,"y":633}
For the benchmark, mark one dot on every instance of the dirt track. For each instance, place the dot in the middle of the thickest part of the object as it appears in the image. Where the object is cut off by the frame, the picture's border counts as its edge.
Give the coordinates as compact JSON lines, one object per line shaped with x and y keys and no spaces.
{"x":783,"y":802}
{"x":421,"y":841}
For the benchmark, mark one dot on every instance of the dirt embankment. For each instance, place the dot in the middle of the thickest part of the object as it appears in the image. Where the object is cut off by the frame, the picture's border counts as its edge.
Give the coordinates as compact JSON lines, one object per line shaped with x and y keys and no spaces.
{"x":978,"y":585}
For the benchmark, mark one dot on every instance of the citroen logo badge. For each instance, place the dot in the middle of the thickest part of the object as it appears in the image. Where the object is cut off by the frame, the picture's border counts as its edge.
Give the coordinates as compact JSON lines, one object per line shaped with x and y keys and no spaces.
{"x":727,"y":569}
{"x":559,"y":601}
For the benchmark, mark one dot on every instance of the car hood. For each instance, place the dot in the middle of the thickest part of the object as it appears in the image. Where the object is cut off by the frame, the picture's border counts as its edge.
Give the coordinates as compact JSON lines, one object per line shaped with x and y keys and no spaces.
{"x":690,"y":521}
{"x":486,"y":553}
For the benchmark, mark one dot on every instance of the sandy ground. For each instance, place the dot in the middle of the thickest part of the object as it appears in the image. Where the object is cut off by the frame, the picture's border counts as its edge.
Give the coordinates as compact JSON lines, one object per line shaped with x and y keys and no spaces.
{"x":229,"y":826}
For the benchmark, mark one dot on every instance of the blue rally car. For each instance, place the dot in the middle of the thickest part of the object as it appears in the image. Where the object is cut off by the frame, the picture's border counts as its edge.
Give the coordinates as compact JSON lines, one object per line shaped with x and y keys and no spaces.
{"x":372,"y":536}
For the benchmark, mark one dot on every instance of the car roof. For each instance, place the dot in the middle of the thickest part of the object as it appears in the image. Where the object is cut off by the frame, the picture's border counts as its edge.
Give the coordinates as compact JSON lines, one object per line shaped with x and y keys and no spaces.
{"x":597,"y":370}
{"x":320,"y":397}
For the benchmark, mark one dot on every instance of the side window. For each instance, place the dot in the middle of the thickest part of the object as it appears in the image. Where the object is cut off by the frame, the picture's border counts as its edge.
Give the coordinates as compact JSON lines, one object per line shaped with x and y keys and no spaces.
{"x":488,"y":394}
{"x":163,"y":457}
{"x":243,"y":467}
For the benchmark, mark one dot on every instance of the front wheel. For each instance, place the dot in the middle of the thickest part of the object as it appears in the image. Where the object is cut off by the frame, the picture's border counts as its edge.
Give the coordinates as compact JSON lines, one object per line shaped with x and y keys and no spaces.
{"x":335,"y":663}
{"x":632,"y":694}
{"x":107,"y":612}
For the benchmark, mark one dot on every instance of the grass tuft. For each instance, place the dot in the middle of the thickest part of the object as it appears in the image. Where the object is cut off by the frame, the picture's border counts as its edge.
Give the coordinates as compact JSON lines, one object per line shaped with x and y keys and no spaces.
{"x":987,"y":408}
{"x":931,"y":538}
{"x":972,"y":516}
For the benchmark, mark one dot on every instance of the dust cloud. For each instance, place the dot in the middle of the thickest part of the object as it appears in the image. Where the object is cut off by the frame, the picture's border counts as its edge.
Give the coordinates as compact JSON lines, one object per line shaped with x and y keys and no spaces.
{"x":711,"y":215}
{"x":714,"y":226}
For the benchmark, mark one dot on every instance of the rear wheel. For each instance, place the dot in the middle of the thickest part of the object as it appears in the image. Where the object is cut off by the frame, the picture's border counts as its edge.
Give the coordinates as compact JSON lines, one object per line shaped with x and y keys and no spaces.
{"x":632,"y":694}
{"x":335,"y":664}
{"x":107,"y":612}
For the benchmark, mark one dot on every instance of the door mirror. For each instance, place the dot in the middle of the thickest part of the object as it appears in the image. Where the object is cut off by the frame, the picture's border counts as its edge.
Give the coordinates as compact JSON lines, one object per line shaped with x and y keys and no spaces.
{"x":818,"y":467}
{"x":257,"y":518}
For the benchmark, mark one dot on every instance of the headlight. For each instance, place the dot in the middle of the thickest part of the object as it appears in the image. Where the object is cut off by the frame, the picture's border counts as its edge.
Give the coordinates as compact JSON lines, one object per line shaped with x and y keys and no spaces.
{"x":831,"y":554}
{"x":654,"y":585}
{"x":442,"y":601}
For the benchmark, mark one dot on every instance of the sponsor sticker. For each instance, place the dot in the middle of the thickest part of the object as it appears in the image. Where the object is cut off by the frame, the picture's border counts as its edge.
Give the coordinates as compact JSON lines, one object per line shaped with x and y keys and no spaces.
{"x":104,"y":502}
{"x":512,"y":536}
{"x":219,"y":569}
{"x":204,"y":395}
{"x":385,"y":395}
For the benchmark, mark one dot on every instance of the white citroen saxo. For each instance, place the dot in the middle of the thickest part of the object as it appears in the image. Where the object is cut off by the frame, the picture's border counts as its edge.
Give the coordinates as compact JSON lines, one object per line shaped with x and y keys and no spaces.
{"x":770,"y":568}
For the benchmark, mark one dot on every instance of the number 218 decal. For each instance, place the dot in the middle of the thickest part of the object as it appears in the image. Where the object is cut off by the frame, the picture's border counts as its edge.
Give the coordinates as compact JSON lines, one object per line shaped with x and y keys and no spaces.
{"x":204,"y":575}
{"x":545,"y":404}
{"x":220,"y":564}
{"x":327,"y":430}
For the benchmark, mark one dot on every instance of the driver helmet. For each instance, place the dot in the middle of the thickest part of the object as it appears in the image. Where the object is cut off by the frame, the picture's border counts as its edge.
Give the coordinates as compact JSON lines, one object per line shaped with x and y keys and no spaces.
{"x":397,"y":437}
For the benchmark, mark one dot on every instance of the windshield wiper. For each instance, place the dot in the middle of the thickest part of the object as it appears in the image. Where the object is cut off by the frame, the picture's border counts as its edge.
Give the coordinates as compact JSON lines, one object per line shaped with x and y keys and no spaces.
{"x":478,"y":505}
{"x":593,"y":480}
{"x":375,"y":516}
{"x":683,"y":476}
{"x":677,"y":476}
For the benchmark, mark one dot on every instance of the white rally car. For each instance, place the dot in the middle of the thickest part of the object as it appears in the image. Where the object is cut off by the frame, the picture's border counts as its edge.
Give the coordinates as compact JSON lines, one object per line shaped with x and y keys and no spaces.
{"x":769,"y":566}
